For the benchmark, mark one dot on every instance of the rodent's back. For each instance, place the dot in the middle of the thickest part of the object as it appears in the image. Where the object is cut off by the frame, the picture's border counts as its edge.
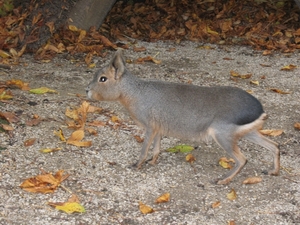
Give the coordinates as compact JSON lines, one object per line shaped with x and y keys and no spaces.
{"x":185,"y":109}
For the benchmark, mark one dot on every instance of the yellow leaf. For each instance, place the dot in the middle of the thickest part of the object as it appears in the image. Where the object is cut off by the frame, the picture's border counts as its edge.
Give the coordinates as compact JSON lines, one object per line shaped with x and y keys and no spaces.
{"x":60,"y":134}
{"x":5,"y":96}
{"x":115,"y":119}
{"x":145,"y":209}
{"x":255,"y":82}
{"x":252,"y":180}
{"x":73,"y":28}
{"x":4,"y":54}
{"x":226,"y":163}
{"x":231,"y":195}
{"x":289,"y":67}
{"x":234,"y":74}
{"x":190,"y":158}
{"x":42,"y":90}
{"x":209,"y":31}
{"x":71,"y":207}
{"x":273,"y":133}
{"x":73,"y":114}
{"x":163,"y":198}
{"x":216,"y":204}
{"x":48,"y":150}
{"x":81,"y":35}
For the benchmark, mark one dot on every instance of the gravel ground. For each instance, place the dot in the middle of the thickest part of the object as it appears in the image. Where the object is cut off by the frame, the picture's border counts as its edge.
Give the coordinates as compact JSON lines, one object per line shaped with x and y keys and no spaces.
{"x":109,"y":190}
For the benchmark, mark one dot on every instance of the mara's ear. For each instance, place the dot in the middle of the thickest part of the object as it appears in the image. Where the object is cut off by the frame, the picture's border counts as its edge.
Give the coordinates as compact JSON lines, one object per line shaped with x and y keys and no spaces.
{"x":117,"y":64}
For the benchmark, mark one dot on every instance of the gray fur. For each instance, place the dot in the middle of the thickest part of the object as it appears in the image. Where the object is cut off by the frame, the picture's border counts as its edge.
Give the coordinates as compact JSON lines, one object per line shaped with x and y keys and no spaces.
{"x":185,"y":111}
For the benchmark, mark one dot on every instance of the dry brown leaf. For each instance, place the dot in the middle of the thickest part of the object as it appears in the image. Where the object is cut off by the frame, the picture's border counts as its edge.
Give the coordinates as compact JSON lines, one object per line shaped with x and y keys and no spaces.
{"x":97,"y":123}
{"x":145,"y":209}
{"x":163,"y":198}
{"x":18,"y":83}
{"x":6,"y":127}
{"x":273,"y":133}
{"x":139,"y":49}
{"x":252,"y":180}
{"x":231,"y":222}
{"x":44,"y":183}
{"x":216,"y":204}
{"x":190,"y":158}
{"x":91,"y":130}
{"x":29,"y":142}
{"x":138,"y":139}
{"x":279,"y":91}
{"x":33,"y":122}
{"x":297,"y":125}
{"x":80,"y":143}
{"x":289,"y":67}
{"x":77,"y":135}
{"x":10,"y":117}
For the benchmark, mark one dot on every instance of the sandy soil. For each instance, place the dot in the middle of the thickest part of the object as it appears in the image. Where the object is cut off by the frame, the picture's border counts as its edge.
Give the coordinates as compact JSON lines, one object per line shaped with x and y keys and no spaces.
{"x":99,"y":175}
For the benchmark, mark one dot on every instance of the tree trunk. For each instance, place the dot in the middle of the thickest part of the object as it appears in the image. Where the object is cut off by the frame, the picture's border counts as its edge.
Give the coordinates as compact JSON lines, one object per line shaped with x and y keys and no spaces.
{"x":87,"y":13}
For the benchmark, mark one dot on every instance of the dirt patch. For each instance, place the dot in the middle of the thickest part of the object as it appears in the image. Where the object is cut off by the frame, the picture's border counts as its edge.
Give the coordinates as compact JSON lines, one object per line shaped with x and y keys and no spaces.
{"x":110,"y":192}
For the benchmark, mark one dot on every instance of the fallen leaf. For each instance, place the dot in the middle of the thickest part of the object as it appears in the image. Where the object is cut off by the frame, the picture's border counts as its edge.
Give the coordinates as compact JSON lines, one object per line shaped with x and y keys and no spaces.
{"x":190,"y":158}
{"x":115,"y":119}
{"x":29,"y":142}
{"x":49,"y":150}
{"x":232,"y":195}
{"x":297,"y":125}
{"x":279,"y":91}
{"x":42,"y":90}
{"x":252,"y":180}
{"x":181,"y":148}
{"x":255,"y":82}
{"x":231,"y":222}
{"x":71,"y":206}
{"x":73,"y":114}
{"x":44,"y":183}
{"x":273,"y":133}
{"x":77,"y":135}
{"x":226,"y":163}
{"x":5,"y":96}
{"x":289,"y":67}
{"x":138,"y":139}
{"x":97,"y":123}
{"x":91,"y":130}
{"x":6,"y":127}
{"x":18,"y":83}
{"x":216,"y":204}
{"x":139,"y":49}
{"x":234,"y":73}
{"x":163,"y":198}
{"x":59,"y":133}
{"x":10,"y":117}
{"x":33,"y":122}
{"x":145,"y":209}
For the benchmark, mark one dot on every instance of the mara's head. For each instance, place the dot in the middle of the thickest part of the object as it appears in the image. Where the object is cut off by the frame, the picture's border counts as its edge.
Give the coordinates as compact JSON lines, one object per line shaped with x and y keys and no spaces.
{"x":105,"y":85}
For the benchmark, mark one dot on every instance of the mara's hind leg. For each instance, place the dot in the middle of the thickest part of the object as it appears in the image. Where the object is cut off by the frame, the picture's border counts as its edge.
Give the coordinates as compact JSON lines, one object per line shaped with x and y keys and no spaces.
{"x":257,"y":138}
{"x":156,"y":148}
{"x":228,"y":141}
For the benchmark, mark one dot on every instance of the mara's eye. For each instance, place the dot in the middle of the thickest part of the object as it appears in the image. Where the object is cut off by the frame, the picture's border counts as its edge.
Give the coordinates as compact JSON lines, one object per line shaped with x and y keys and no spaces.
{"x":103,"y":79}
